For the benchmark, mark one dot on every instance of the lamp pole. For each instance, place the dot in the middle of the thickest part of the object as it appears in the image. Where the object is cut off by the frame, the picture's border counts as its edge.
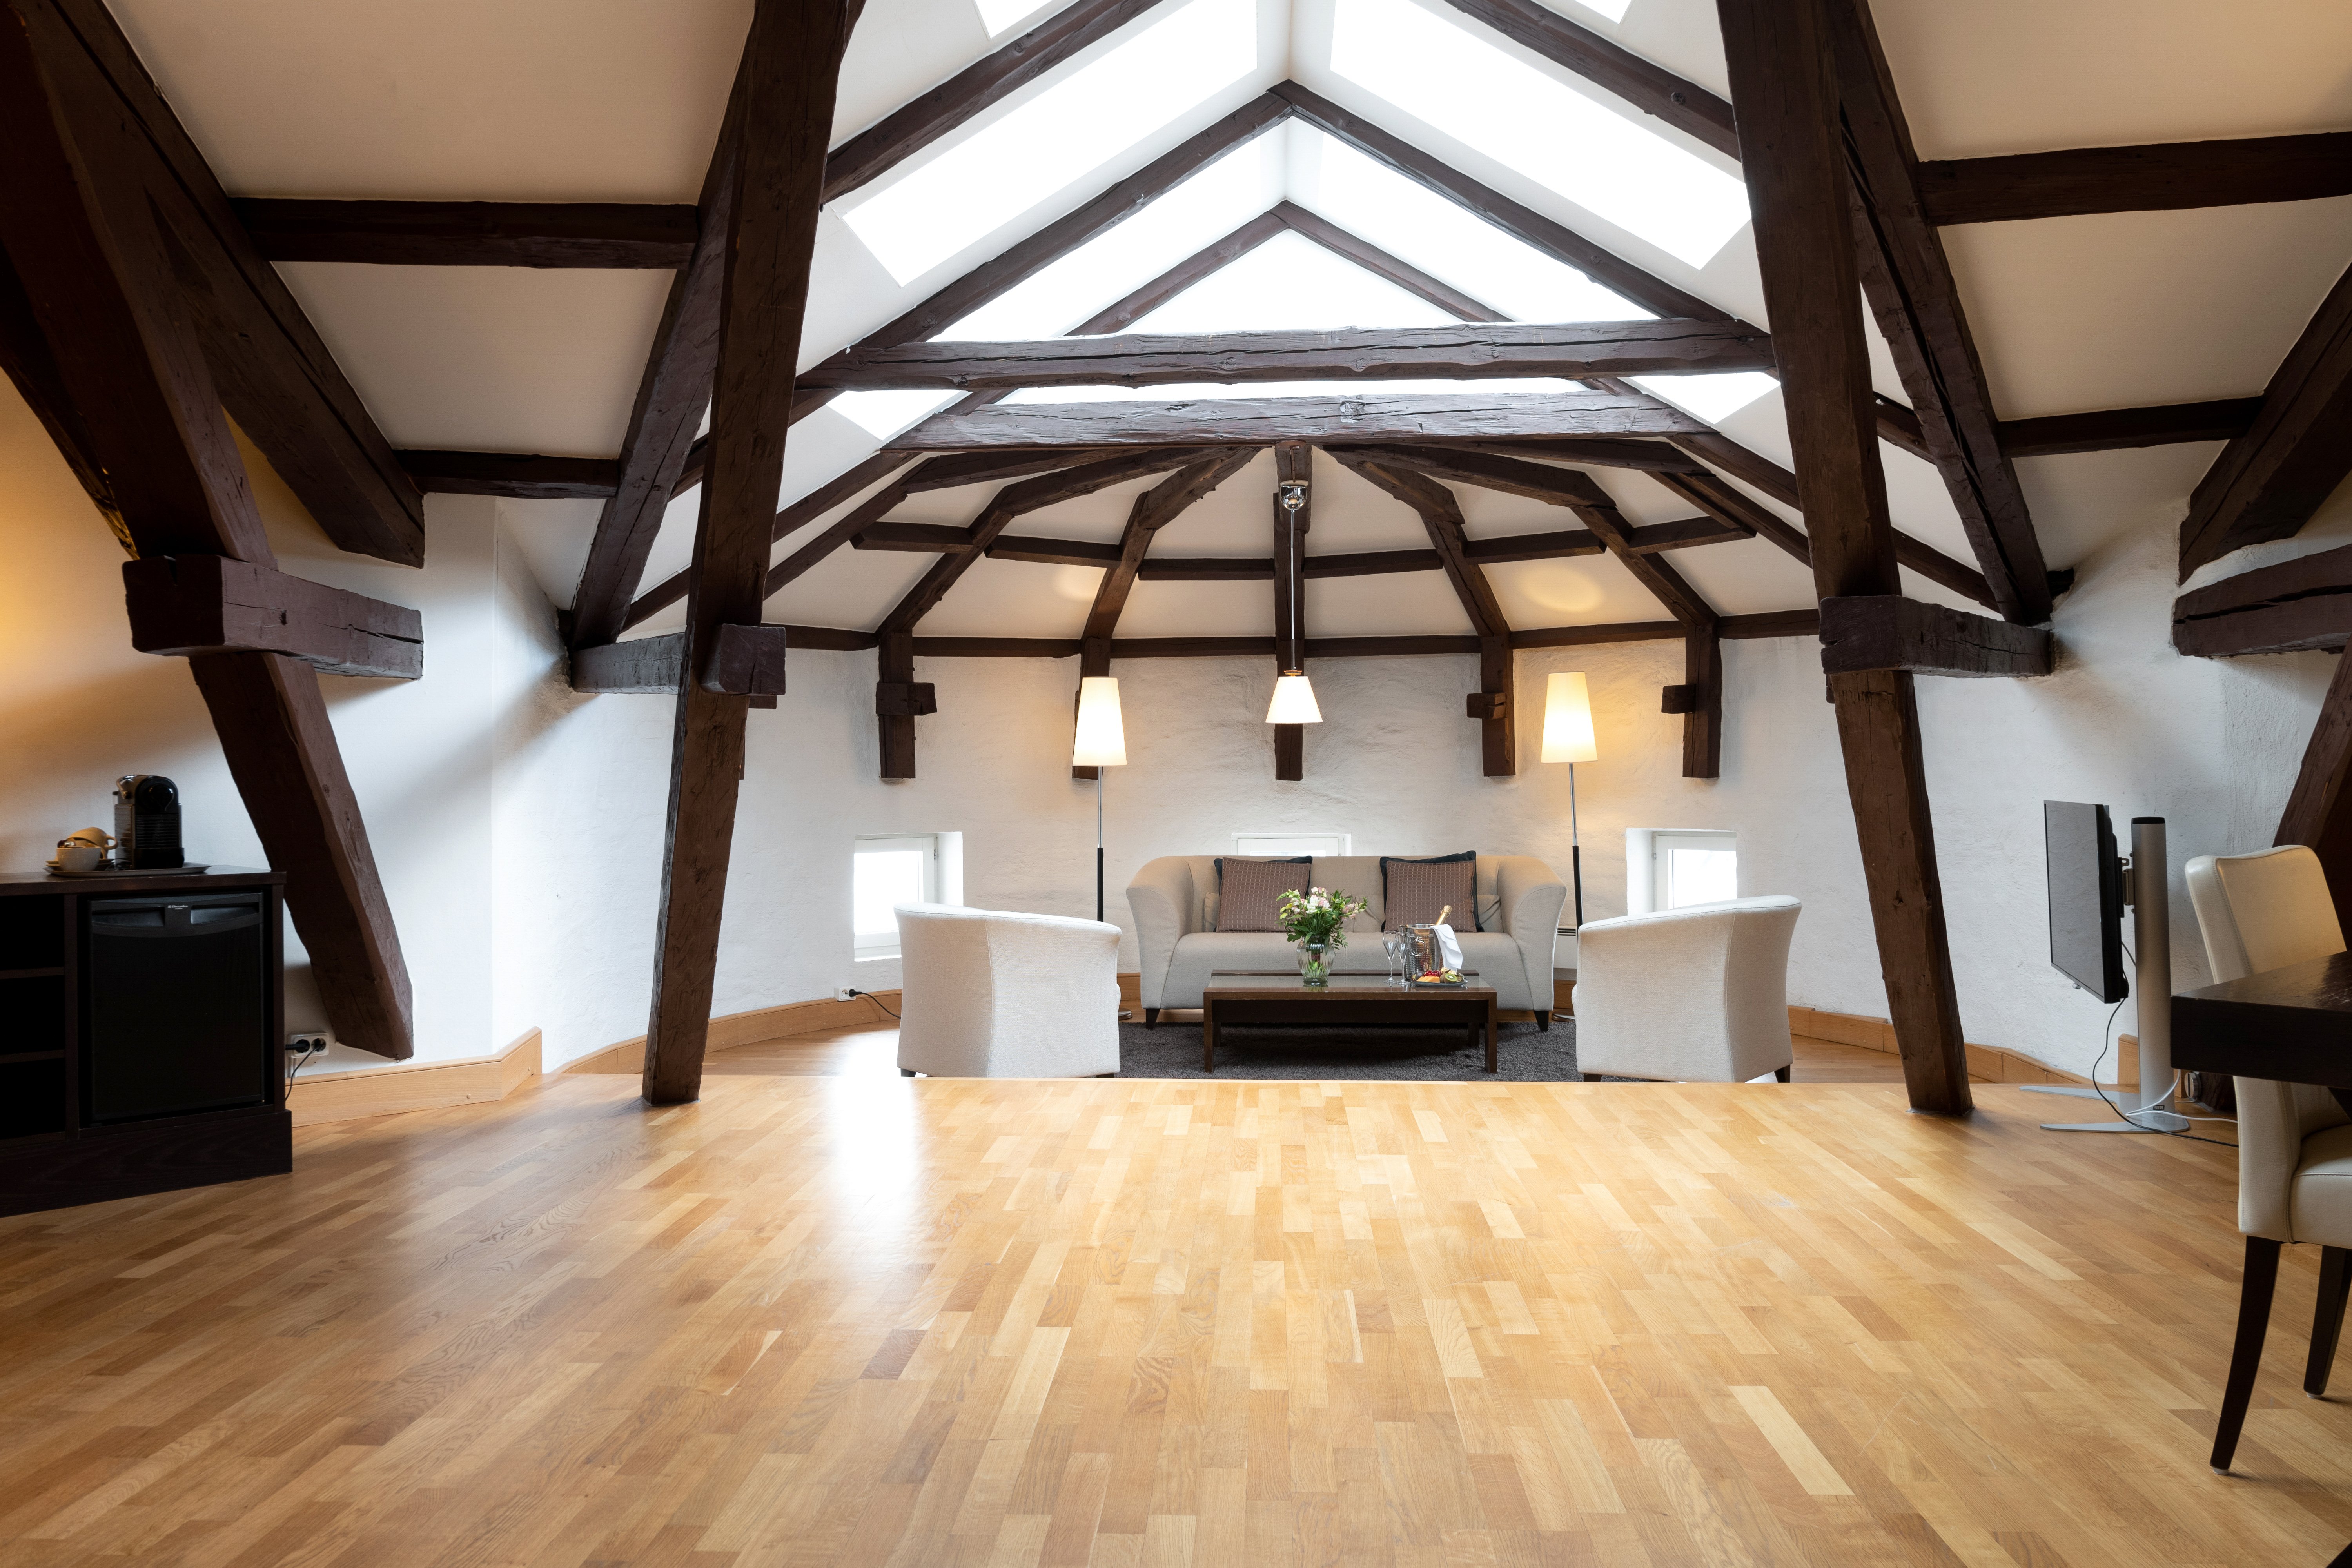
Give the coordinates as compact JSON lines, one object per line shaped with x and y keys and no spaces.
{"x":1575,"y":849}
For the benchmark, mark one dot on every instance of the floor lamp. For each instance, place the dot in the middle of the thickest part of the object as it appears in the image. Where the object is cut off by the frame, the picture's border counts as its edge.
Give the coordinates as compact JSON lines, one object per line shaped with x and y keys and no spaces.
{"x":1568,"y":738}
{"x":1101,"y":744}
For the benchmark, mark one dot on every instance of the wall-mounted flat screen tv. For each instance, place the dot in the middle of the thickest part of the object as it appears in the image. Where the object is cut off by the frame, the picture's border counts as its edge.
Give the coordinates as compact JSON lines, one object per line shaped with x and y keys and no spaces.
{"x":2086,"y":896}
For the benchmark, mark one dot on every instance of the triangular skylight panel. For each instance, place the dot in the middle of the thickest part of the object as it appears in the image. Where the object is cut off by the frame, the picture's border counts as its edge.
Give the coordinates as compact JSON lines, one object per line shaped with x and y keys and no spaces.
{"x":1457,"y":82}
{"x":1290,"y":283}
{"x":1048,"y":141}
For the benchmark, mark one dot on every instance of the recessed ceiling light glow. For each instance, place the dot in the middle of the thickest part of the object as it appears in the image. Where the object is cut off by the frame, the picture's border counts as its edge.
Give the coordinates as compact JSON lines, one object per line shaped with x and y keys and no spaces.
{"x":883,"y":414}
{"x":1714,"y":398}
{"x":1471,"y":90}
{"x":1075,"y":126}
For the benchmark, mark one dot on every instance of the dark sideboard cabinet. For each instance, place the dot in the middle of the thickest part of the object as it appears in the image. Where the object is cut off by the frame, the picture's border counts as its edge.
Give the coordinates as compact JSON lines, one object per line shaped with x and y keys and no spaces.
{"x":141,"y":1026}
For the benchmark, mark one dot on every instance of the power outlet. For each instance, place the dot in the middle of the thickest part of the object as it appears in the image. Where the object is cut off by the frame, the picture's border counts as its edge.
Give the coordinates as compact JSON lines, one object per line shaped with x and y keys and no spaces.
{"x":845,"y":993}
{"x":307,"y":1042}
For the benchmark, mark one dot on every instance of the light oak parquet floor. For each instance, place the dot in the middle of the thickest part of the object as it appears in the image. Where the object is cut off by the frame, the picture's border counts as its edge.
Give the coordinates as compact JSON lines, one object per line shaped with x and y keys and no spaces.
{"x":860,"y":1320}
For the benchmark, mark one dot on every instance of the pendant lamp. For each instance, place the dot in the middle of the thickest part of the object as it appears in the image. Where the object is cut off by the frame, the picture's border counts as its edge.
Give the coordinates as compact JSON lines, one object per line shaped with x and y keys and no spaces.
{"x":1293,"y":694}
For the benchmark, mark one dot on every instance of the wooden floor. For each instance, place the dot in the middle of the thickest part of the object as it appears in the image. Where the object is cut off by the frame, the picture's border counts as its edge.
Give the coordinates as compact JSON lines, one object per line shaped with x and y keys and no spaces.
{"x":863,"y":1319}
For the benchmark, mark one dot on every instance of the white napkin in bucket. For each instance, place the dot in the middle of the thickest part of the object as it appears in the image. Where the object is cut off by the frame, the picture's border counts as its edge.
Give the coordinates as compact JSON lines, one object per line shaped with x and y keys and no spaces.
{"x":1449,"y":952}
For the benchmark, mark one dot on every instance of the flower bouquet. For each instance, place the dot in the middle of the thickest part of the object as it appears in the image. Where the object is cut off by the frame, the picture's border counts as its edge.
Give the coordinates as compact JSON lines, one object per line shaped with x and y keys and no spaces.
{"x":1316,"y":921}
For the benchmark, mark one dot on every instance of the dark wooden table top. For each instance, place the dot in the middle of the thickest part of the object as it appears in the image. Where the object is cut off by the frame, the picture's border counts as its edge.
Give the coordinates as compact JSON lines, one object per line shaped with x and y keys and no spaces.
{"x":1352,"y":985}
{"x":2292,"y":1025}
{"x":40,"y":881}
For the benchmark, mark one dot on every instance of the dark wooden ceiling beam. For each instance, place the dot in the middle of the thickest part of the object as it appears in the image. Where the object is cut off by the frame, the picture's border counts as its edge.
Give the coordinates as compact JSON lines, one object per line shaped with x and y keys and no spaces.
{"x":1648,"y":86}
{"x":191,"y":605}
{"x":1593,"y":451}
{"x":1772,"y":624}
{"x":2318,"y":807}
{"x":2298,"y":605}
{"x":1054,"y":551}
{"x":471,"y":234}
{"x":2153,"y":177}
{"x":268,"y":364}
{"x":1486,"y":469}
{"x":908,"y":130}
{"x":762,"y":227}
{"x":2267,"y":483}
{"x":2107,"y":430}
{"x":1785,"y":85}
{"x":1514,"y":218}
{"x":1466,"y":351}
{"x":1259,"y":422}
{"x":520,"y":476}
{"x":649,"y":666}
{"x":1912,"y":292}
{"x":1888,"y":632}
{"x":672,"y":396}
{"x":81,"y":233}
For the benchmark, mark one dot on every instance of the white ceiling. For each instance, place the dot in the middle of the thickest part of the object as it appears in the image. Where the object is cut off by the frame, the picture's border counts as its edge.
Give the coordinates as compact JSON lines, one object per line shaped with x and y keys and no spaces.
{"x":620,"y":99}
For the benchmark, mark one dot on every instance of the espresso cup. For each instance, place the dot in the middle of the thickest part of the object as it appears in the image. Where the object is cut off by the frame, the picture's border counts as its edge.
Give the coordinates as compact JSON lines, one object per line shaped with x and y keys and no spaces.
{"x":79,"y":856}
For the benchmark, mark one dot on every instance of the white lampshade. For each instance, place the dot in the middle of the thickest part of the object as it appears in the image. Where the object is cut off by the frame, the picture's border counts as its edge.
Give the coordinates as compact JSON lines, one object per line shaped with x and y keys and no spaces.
{"x":1102,"y":736}
{"x":1567,"y":720}
{"x":1294,"y":700}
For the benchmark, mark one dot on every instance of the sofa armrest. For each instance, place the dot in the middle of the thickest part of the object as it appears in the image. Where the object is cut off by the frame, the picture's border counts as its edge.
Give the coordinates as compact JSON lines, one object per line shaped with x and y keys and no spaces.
{"x":1167,"y":909}
{"x":1532,"y":895}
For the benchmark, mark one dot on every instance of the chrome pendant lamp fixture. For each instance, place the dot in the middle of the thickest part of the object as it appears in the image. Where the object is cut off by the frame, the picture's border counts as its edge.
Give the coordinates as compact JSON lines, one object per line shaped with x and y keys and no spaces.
{"x":1293,"y":694}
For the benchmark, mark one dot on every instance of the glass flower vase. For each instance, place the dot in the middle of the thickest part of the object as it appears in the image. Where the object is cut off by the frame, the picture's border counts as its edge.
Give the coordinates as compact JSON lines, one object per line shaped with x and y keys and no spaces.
{"x":1314,"y":962}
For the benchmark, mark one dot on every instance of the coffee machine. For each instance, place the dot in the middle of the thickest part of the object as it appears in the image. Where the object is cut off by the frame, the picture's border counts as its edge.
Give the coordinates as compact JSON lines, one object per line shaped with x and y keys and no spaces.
{"x":147,"y":823}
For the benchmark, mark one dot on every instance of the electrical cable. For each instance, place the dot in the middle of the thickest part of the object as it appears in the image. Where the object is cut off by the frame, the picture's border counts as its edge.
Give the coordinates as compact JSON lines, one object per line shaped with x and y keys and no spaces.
{"x":876,"y":1000}
{"x":2107,"y":1044}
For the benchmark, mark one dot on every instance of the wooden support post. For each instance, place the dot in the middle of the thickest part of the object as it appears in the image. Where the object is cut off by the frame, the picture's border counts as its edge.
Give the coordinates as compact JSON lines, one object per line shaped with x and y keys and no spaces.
{"x":791,"y":64}
{"x":108,"y":303}
{"x":1784,"y":89}
{"x":1293,"y":463}
{"x":894,"y":706}
{"x":1703,"y":720}
{"x":2319,"y":809}
{"x":1491,"y":705}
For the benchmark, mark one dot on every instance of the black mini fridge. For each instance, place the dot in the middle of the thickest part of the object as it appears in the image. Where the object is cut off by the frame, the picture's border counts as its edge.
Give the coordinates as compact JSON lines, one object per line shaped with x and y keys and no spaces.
{"x":179,"y":994}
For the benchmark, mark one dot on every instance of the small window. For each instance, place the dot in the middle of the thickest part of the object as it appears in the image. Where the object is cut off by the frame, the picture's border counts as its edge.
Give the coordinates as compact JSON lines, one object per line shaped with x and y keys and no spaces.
{"x":1697,"y":869}
{"x":1290,"y":843}
{"x":888,"y":873}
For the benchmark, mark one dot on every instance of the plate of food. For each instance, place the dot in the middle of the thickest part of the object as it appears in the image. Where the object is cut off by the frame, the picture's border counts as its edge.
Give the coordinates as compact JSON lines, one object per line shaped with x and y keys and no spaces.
{"x":1437,"y":977}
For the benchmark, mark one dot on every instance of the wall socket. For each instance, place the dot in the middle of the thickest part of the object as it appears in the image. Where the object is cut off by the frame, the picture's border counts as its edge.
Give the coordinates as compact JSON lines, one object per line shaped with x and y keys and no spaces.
{"x":307,"y":1042}
{"x":845,"y":994}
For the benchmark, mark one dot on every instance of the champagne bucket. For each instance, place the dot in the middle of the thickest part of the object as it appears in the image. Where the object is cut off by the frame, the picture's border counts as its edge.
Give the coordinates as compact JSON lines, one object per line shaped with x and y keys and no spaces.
{"x":1421,"y":949}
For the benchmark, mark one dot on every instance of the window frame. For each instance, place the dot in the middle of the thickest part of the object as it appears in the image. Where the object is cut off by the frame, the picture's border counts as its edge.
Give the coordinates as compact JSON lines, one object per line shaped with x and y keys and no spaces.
{"x":876,"y":947}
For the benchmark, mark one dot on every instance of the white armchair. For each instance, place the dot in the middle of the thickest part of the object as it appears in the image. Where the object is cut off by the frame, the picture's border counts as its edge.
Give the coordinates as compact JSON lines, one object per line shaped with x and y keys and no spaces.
{"x":988,"y":993}
{"x":2263,"y":911}
{"x":1693,"y":995}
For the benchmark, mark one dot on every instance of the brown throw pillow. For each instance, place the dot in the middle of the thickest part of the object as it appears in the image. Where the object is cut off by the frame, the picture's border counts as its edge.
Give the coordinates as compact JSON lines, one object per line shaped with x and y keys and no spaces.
{"x":1249,"y":892}
{"x":1413,"y":891}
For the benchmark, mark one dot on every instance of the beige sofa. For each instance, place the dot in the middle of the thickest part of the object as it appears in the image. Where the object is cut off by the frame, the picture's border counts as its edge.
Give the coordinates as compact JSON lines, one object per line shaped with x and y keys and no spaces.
{"x":1175,"y":903}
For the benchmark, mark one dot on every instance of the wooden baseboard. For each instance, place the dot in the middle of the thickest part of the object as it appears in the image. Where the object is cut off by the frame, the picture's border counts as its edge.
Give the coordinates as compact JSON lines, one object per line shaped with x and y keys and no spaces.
{"x":413,"y":1086}
{"x":730,"y":1030}
{"x":1993,"y":1064}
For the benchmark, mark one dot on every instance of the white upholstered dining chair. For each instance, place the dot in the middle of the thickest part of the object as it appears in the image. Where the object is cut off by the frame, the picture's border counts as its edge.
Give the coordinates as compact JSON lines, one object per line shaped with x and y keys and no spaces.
{"x":2261,"y":912}
{"x":1697,"y":994}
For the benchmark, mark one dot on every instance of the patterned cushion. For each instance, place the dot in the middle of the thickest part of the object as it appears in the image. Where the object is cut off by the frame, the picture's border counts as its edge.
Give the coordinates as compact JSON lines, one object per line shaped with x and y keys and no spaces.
{"x":1413,"y":891}
{"x":1249,"y":892}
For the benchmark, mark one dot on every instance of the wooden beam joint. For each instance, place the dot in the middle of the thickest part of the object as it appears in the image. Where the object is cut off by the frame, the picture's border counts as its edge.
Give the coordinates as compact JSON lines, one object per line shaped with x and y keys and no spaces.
{"x":1866,"y":632}
{"x":190,"y":605}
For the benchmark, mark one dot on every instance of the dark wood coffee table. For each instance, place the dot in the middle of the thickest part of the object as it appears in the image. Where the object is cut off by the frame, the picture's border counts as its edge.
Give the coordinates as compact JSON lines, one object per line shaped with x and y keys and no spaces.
{"x":1280,"y":996}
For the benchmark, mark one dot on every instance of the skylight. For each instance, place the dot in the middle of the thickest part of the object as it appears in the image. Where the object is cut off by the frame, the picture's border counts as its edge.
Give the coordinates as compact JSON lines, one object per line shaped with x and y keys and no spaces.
{"x":1414,"y":223}
{"x":1073,"y":127}
{"x":1290,"y":283}
{"x":883,"y":414}
{"x":1613,"y":9}
{"x":1451,"y":80}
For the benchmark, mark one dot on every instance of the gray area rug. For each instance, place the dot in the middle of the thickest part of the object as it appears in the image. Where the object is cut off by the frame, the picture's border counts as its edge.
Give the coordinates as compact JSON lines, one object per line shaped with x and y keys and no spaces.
{"x":1529,"y":1054}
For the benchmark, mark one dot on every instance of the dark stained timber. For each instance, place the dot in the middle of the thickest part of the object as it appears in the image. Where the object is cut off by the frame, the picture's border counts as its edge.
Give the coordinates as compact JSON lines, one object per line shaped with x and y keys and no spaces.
{"x":774,"y":179}
{"x":1703,"y":715}
{"x":269,"y":366}
{"x":2147,"y":178}
{"x":1650,"y":88}
{"x":520,"y":475}
{"x":2297,"y":605}
{"x":1467,"y":351}
{"x":907,"y":131}
{"x":2319,"y":809}
{"x":1261,"y":422}
{"x":191,"y":604}
{"x":471,"y":234}
{"x":1913,"y":294}
{"x":2267,"y":483}
{"x":1888,"y":632}
{"x":80,"y":226}
{"x":1379,"y":263}
{"x":750,"y":664}
{"x":2107,"y":429}
{"x":1785,"y":84}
